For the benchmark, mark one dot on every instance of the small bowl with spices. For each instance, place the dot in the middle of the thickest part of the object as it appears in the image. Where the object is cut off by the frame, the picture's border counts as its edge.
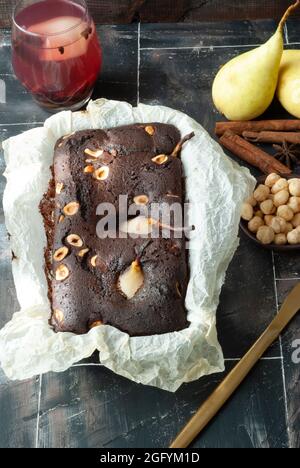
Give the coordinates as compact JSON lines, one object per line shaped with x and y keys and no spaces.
{"x":271,"y":216}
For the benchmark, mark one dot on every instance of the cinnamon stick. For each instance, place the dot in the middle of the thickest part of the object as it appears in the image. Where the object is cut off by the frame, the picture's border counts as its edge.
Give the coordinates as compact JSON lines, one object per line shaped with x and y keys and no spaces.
{"x":272,"y":137}
{"x":258,"y":126}
{"x":252,"y":155}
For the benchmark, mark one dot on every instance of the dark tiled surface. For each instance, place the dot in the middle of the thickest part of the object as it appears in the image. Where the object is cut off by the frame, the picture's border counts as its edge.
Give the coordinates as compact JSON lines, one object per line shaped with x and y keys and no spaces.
{"x":206,"y":34}
{"x":182,"y":79}
{"x":118,"y":79}
{"x":287,"y":265}
{"x":247,"y":303}
{"x":293,"y":27}
{"x":19,"y":107}
{"x":113,"y":412}
{"x":5,"y":63}
{"x":18,"y":412}
{"x":88,"y":406}
{"x":291,"y":356}
{"x":9,"y":302}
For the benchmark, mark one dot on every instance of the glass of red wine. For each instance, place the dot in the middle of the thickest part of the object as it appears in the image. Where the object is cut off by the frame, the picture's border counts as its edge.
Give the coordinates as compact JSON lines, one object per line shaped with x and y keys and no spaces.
{"x":55,"y":52}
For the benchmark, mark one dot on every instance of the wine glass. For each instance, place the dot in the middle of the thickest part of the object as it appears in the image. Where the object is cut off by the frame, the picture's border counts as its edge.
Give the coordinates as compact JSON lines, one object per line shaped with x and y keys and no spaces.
{"x":55,"y":52}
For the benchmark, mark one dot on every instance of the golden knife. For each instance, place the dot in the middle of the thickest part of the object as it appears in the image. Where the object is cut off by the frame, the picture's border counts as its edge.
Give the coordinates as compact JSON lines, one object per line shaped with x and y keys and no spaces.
{"x":223,"y":392}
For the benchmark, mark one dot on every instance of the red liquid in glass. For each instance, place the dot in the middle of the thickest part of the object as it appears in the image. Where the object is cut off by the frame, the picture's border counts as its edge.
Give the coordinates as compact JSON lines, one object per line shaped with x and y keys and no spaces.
{"x":58,"y":68}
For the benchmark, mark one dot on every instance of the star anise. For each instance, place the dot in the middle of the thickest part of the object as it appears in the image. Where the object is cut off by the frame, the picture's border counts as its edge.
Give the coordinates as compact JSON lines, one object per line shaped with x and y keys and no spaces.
{"x":289,"y":154}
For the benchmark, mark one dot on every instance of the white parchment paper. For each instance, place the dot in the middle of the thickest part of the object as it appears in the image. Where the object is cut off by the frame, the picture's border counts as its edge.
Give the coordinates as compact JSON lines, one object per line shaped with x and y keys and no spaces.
{"x":216,"y":188}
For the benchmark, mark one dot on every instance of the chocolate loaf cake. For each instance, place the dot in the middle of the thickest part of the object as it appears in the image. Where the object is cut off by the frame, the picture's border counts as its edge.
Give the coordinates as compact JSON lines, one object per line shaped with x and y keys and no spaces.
{"x":136,"y":284}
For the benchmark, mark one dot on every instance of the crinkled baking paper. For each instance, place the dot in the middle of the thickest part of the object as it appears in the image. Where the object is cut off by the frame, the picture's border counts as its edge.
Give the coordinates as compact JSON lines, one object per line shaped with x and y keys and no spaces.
{"x":215,"y":186}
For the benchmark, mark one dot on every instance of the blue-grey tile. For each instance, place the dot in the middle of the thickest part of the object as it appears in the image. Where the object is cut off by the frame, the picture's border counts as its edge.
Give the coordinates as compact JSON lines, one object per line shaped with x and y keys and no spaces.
{"x":291,"y":362}
{"x":118,"y":78}
{"x":206,"y":34}
{"x":182,"y":79}
{"x":9,"y":303}
{"x":255,"y":415}
{"x":5,"y":52}
{"x":287,"y":264}
{"x":293,"y":28}
{"x":92,"y":407}
{"x":20,"y":106}
{"x":18,"y":412}
{"x":247,"y":301}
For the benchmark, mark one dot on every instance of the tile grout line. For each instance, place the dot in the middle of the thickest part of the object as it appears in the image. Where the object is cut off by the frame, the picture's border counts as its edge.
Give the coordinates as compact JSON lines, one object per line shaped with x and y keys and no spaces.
{"x":38,"y":413}
{"x":202,"y":47}
{"x":285,"y":391}
{"x":286,"y":33}
{"x":20,"y":123}
{"x":228,"y":46}
{"x":281,"y":353}
{"x":99,"y":364}
{"x":138,"y":65}
{"x":271,"y":358}
{"x":287,"y":279}
{"x":89,"y":364}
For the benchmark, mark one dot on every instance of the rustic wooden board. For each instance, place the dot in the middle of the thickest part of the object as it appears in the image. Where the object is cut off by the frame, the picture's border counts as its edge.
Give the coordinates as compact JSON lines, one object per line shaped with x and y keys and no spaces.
{"x":127,"y":11}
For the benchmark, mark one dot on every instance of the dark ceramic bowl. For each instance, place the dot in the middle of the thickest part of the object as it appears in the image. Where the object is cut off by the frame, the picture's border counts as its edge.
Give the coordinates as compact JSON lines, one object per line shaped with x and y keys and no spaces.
{"x":244,"y":225}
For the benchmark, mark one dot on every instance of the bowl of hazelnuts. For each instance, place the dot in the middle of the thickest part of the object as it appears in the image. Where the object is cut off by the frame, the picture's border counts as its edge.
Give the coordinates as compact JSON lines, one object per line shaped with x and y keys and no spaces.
{"x":271,"y":216}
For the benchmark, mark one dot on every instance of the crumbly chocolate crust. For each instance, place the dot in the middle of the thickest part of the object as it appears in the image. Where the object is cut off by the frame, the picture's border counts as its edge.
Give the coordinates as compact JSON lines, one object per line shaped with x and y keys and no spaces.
{"x":84,"y":284}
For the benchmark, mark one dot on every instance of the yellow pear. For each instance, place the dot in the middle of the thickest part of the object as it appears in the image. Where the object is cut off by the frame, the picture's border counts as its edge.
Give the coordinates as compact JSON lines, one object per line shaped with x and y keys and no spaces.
{"x":244,"y":88}
{"x":288,"y":88}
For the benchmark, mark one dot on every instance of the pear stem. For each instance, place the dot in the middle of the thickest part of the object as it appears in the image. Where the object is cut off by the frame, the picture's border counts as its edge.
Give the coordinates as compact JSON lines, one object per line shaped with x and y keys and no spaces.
{"x":287,"y":14}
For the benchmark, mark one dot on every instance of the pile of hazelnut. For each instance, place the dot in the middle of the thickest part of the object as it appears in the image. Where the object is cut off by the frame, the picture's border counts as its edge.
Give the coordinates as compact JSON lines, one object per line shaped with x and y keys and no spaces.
{"x":273,"y":212}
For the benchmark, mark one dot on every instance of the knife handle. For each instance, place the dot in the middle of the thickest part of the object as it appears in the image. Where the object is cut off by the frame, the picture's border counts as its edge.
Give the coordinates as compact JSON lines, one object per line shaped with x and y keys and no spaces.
{"x":228,"y":386}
